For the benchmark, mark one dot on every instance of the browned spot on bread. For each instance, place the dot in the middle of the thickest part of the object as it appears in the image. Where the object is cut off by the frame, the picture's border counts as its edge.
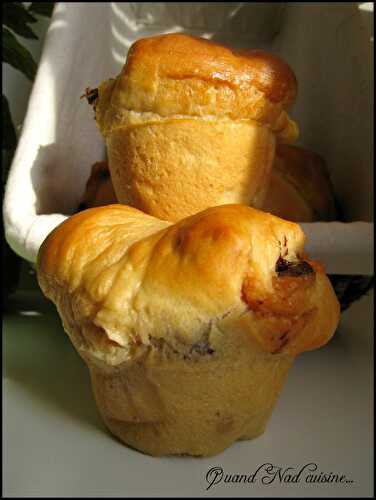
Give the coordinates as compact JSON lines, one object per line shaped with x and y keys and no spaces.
{"x":284,"y":310}
{"x":225,"y":424}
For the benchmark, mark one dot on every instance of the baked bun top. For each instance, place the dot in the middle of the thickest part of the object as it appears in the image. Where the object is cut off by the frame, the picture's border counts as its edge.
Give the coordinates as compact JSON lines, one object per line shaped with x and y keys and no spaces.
{"x":124,"y":281}
{"x":178,"y":74}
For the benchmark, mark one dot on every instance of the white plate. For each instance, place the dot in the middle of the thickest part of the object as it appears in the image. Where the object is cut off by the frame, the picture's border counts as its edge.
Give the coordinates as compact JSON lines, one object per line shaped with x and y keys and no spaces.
{"x":55,"y":444}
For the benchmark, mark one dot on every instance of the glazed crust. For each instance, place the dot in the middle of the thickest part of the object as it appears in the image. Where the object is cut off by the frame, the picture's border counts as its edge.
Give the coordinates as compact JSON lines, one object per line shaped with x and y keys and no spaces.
{"x":300,"y":189}
{"x":188,"y":330}
{"x":181,"y":75}
{"x":179,"y":56}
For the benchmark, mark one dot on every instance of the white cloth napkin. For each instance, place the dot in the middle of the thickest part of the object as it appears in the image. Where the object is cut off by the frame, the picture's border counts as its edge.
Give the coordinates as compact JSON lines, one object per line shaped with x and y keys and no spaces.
{"x":344,"y":248}
{"x":86,"y":44}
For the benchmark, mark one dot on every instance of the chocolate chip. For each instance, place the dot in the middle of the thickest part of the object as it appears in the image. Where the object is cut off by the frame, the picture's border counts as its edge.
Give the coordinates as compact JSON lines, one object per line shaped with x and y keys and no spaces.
{"x":91,"y":96}
{"x":202,"y":347}
{"x":296,"y":269}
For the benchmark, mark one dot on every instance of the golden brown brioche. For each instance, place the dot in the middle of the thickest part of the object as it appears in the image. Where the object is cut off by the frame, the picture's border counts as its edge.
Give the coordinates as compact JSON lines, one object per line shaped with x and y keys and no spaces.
{"x":300,"y":189}
{"x":190,"y":124}
{"x":178,"y":74}
{"x":175,"y":169}
{"x":99,"y":189}
{"x":188,"y":330}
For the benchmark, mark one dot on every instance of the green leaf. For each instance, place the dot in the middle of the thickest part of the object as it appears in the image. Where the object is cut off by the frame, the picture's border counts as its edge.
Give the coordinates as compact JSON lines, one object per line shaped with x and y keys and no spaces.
{"x":9,"y":138}
{"x":17,"y":56}
{"x":42,"y":8}
{"x":16,"y":17}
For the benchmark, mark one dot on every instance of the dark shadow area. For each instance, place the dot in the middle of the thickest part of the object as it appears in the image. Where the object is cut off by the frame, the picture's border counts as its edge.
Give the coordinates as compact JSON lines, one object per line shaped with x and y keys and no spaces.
{"x":39,"y":356}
